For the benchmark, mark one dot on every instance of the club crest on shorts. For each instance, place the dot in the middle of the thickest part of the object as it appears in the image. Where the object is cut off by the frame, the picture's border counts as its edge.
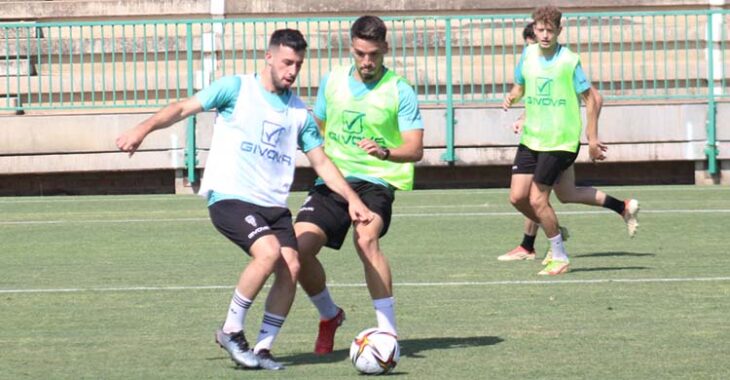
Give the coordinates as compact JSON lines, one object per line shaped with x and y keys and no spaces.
{"x":250,"y":220}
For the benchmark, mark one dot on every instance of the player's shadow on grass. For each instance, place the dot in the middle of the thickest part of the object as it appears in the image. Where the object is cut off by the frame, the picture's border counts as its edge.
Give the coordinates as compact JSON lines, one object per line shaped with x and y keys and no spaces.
{"x":620,"y":254}
{"x":410,"y":348}
{"x":607,"y":269}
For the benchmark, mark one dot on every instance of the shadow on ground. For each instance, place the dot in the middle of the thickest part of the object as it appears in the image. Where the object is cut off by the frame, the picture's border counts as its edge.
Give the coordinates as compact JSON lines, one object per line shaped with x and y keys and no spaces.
{"x":617,"y":254}
{"x":411,"y":348}
{"x":607,"y":269}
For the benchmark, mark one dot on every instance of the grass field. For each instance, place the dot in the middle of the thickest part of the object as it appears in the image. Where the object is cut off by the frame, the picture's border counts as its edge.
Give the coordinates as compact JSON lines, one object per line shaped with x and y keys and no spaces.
{"x":133,"y":287}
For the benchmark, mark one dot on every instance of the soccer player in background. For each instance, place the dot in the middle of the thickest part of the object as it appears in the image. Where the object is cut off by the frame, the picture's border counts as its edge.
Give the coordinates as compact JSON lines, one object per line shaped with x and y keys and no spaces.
{"x":567,"y":192}
{"x":549,"y":76}
{"x":247,"y":179}
{"x":373,"y":132}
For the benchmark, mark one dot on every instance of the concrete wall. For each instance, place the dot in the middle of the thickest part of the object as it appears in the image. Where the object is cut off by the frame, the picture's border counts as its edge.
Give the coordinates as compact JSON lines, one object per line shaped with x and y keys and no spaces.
{"x":86,"y":143}
{"x":40,"y":144}
{"x":639,"y":132}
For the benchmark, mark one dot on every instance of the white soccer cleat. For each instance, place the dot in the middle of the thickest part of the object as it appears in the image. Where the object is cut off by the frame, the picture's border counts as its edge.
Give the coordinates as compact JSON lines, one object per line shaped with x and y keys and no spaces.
{"x":517,"y":254}
{"x":267,"y":361}
{"x":237,"y":346}
{"x":631,"y":215}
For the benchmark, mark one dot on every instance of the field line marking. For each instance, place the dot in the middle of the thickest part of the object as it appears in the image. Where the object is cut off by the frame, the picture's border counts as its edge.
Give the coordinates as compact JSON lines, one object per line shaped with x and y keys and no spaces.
{"x":404,"y":215}
{"x":359,"y":285}
{"x":595,"y":212}
{"x":418,"y":192}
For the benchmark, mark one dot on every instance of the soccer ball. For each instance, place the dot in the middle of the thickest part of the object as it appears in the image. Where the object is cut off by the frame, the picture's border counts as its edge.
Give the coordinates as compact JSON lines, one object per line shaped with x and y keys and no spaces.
{"x":374,"y":352}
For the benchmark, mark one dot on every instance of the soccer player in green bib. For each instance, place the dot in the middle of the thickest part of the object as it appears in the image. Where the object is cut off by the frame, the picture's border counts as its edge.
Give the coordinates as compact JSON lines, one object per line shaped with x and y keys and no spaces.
{"x":552,"y":82}
{"x":373,"y":133}
{"x":567,"y":192}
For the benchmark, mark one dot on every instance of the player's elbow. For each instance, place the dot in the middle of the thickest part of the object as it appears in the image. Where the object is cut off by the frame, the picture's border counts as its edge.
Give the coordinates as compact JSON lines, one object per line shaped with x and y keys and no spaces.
{"x":598,"y":100}
{"x":418,"y":154}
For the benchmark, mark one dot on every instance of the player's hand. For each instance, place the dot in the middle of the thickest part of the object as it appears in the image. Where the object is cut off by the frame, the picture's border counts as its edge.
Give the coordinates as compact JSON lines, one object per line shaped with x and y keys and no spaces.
{"x":130,"y":140}
{"x":597,"y":151}
{"x":517,"y":126}
{"x":359,"y":212}
{"x":372,"y":148}
{"x":508,"y":100}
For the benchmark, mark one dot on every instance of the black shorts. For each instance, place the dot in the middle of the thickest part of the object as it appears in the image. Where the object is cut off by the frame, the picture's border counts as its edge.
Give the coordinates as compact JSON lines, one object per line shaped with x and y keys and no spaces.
{"x":326,"y":209}
{"x":243,"y":223}
{"x":545,"y":166}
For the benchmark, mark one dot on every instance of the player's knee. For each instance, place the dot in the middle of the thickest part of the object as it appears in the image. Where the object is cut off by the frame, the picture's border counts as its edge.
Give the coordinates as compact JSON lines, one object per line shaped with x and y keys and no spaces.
{"x":518,"y":200}
{"x":291,"y":269}
{"x":266,"y":260}
{"x":538,"y":204}
{"x":366,"y":243}
{"x":309,"y":243}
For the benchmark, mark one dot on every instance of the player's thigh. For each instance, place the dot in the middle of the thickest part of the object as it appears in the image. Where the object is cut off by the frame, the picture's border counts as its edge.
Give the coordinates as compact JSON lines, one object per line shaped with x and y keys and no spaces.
{"x":310,"y":238}
{"x":565,"y":186}
{"x":379,"y":199}
{"x":324,"y":213}
{"x":519,"y":188}
{"x":279,"y":222}
{"x":523,"y":169}
{"x":539,"y":195}
{"x":550,"y":165}
{"x":241,"y":222}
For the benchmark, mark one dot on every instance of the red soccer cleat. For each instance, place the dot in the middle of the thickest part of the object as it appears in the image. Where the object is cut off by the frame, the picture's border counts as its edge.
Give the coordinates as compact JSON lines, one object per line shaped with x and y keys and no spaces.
{"x":326,"y":338}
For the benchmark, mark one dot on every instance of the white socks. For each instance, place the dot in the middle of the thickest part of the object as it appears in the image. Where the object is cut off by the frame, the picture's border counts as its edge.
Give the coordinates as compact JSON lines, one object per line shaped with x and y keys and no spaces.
{"x":236,"y":313}
{"x":384,"y":310}
{"x":385,"y":314}
{"x":324,"y":304}
{"x":270,"y":327}
{"x":556,"y":244}
{"x":236,"y":317}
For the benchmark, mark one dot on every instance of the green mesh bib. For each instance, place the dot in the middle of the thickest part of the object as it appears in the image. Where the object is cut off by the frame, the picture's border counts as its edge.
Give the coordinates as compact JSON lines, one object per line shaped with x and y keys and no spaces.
{"x":552,"y":108}
{"x":373,"y":116}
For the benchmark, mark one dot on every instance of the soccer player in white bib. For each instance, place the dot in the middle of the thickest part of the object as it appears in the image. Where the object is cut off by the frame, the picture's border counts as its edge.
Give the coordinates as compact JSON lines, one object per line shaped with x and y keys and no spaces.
{"x":247,"y":179}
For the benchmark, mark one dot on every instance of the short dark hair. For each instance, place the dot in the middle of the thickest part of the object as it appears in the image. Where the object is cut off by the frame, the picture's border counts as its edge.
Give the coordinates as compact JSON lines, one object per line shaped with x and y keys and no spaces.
{"x":291,"y":38}
{"x":529,"y":32}
{"x":370,"y":28}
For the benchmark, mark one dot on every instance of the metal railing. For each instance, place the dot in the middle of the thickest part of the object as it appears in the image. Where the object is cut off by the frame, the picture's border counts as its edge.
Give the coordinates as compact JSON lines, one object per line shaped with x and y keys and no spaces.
{"x":450,"y":60}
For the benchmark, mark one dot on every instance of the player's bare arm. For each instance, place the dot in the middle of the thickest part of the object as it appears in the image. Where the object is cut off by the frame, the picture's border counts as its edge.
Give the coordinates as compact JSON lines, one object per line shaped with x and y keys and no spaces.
{"x":335,"y":181}
{"x":517,"y":124}
{"x":410,"y":151}
{"x":130,"y":140}
{"x":513,"y":96}
{"x":598,"y":98}
{"x":596,"y":149}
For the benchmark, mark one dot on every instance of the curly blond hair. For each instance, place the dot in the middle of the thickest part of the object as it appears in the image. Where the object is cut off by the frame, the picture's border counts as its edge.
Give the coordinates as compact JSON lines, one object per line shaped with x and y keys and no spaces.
{"x":547,"y":15}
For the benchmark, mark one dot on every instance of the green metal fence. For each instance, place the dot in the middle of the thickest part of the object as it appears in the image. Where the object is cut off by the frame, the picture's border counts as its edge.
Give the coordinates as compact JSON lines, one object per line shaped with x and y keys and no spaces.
{"x":450,"y":60}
